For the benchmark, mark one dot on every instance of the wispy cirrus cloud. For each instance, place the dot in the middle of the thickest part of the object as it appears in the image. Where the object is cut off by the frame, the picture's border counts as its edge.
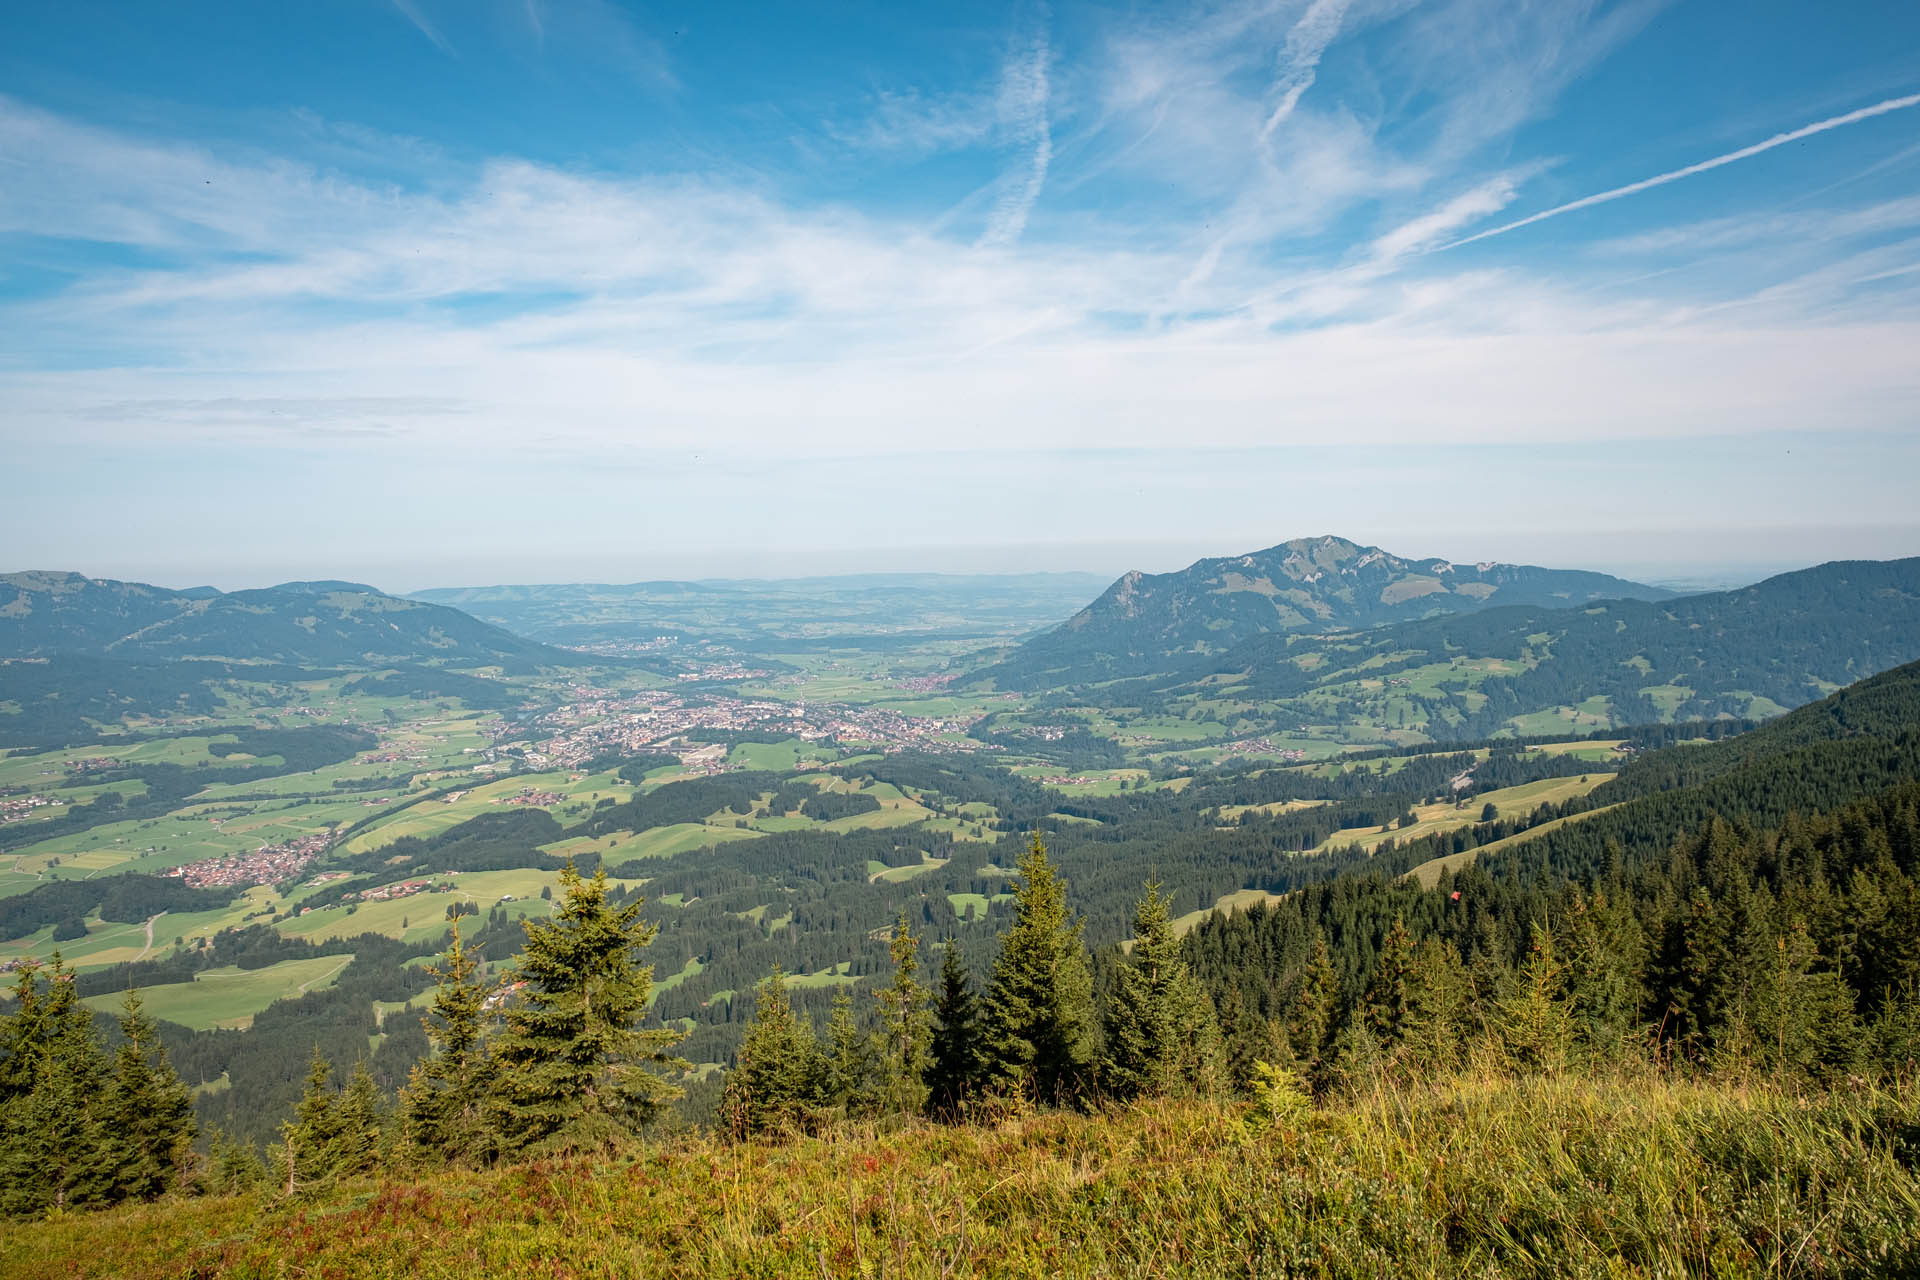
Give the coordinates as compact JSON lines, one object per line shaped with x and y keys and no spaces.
{"x":1881,"y":108}
{"x":1022,"y":110}
{"x":412,"y":12}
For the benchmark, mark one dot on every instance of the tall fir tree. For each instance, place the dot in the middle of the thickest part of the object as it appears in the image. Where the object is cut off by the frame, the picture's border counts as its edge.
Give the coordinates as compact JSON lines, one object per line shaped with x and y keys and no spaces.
{"x":577,"y":1073}
{"x":1804,"y":1023}
{"x":1039,"y":1028}
{"x":1387,"y":1007}
{"x":149,"y":1111}
{"x":1161,"y":1038}
{"x":955,"y":1067}
{"x":444,"y":1103}
{"x":1606,"y":952}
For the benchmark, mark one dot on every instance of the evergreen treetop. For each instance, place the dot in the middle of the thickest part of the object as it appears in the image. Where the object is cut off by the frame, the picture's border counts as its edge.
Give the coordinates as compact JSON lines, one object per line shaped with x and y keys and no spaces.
{"x":576,"y":1071}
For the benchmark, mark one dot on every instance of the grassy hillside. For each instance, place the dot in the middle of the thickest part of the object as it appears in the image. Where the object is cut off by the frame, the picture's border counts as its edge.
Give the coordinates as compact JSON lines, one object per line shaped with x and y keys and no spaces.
{"x":1485,"y":1175}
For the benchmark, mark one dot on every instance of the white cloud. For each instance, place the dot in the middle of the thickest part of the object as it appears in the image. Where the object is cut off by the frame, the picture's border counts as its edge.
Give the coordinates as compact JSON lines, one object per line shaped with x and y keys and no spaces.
{"x":1291,"y":300}
{"x":1023,"y":111}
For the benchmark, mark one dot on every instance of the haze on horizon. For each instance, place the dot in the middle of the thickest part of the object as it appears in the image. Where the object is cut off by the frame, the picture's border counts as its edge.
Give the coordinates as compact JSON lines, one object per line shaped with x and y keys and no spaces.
{"x":426,"y":293}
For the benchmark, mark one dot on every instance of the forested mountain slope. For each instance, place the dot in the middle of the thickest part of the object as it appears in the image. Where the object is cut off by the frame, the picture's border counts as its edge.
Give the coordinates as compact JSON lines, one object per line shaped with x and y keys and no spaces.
{"x":316,"y":623}
{"x":1746,"y":653}
{"x":1146,"y":623}
{"x":1756,"y":898}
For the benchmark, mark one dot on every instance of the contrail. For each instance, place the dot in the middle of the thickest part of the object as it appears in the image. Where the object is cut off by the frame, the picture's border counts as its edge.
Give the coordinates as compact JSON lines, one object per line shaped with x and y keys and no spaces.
{"x":1633,"y":188}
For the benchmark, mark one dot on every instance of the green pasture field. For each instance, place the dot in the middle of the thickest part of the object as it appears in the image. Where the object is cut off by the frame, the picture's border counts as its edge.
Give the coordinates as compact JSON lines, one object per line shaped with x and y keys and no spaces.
{"x":1238,"y":900}
{"x":836,"y":976}
{"x":1233,"y":812}
{"x":1594,"y":713}
{"x":681,"y":837}
{"x":1595,"y":749}
{"x":1450,"y":816}
{"x":1428,"y":873}
{"x":878,"y":872}
{"x":1100,"y":782}
{"x":229,"y":997}
{"x":668,"y":982}
{"x":431,"y":817}
{"x":978,"y":901}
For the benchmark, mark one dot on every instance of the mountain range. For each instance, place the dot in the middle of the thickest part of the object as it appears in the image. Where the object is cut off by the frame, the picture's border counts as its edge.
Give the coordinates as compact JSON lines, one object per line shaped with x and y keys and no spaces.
{"x":1150,"y":623}
{"x":310,"y":623}
{"x":1749,"y":653}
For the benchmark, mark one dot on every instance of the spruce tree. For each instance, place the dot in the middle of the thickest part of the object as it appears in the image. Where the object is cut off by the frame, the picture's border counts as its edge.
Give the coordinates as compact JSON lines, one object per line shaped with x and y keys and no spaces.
{"x":1161,"y":1040}
{"x":56,"y":1149}
{"x":848,"y":1071}
{"x":1606,"y":953}
{"x":955,"y":1067}
{"x":1536,"y":1025}
{"x":1435,"y":1025}
{"x":576,"y":1072}
{"x":444,"y":1103}
{"x":1804,"y":1022}
{"x":359,"y":1125}
{"x":775,"y":1083}
{"x":905,"y":1025}
{"x":232,"y":1166}
{"x":149,"y":1111}
{"x":1040,"y":1032}
{"x":1316,"y":1015}
{"x":309,"y":1141}
{"x":1388,"y":1004}
{"x":1246,"y":1041}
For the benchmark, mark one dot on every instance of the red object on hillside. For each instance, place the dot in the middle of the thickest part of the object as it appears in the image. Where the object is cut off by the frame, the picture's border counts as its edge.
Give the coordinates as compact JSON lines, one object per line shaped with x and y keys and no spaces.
{"x":1455,"y":895}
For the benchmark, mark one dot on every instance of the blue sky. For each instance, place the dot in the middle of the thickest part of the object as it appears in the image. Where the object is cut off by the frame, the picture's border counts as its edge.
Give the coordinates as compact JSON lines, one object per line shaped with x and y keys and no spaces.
{"x":429,"y":292}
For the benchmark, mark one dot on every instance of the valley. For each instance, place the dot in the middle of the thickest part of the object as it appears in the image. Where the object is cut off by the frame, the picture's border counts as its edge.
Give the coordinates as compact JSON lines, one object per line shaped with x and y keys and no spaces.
{"x":276,"y":847}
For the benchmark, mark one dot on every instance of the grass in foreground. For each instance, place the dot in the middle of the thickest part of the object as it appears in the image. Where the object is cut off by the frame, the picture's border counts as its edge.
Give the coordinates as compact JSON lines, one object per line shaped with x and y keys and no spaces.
{"x":1476,"y":1178}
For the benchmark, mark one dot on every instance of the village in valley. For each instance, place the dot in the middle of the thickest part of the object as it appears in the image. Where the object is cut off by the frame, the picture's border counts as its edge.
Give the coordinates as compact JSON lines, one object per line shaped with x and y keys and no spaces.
{"x":599,"y":722}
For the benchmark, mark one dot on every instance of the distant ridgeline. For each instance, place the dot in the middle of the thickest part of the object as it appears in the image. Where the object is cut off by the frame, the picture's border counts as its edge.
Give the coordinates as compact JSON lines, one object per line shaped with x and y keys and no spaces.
{"x":1745,"y":653}
{"x":79,"y":652}
{"x":304,"y":623}
{"x":1148,"y":624}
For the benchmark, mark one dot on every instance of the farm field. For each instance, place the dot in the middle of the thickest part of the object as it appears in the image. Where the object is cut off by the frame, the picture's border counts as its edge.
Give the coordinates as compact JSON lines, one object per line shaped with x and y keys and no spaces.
{"x":229,"y":997}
